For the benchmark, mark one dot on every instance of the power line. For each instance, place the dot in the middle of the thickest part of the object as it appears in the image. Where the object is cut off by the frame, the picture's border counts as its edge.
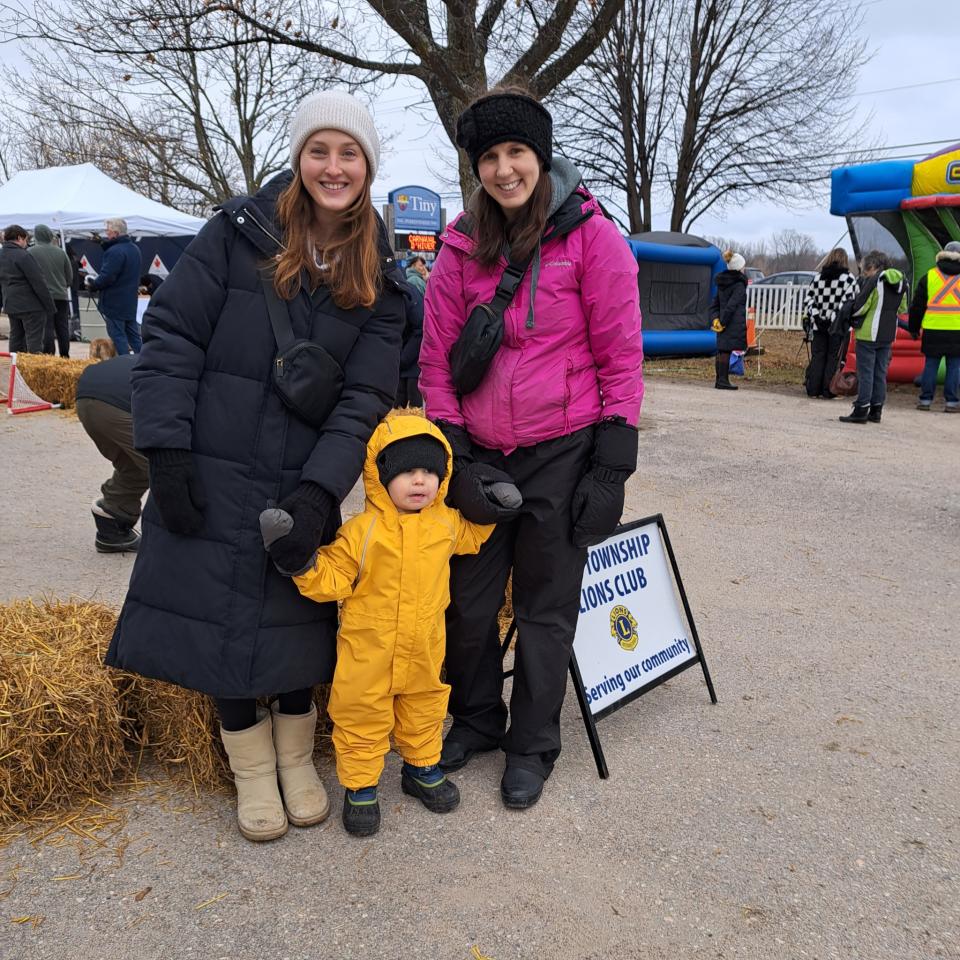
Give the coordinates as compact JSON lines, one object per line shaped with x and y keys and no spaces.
{"x":907,"y":86}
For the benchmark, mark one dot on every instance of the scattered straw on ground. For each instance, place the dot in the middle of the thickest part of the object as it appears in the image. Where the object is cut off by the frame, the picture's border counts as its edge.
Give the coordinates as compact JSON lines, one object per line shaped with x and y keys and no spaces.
{"x":53,"y":378}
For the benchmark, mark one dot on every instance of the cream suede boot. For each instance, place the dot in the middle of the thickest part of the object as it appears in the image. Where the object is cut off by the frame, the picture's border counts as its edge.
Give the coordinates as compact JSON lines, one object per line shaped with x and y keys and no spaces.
{"x":253,"y":761}
{"x":304,"y":798}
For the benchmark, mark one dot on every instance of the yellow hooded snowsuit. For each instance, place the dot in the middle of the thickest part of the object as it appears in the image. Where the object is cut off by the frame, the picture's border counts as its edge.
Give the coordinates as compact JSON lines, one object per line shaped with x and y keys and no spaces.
{"x":392,"y":572}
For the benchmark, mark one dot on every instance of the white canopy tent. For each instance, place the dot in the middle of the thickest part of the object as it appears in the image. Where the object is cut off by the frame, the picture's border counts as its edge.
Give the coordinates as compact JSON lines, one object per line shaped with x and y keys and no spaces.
{"x":77,"y":200}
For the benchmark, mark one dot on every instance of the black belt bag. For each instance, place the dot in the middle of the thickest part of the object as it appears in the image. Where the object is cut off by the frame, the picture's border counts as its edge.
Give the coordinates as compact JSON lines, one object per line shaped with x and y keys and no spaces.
{"x":481,"y":336}
{"x":307,"y":378}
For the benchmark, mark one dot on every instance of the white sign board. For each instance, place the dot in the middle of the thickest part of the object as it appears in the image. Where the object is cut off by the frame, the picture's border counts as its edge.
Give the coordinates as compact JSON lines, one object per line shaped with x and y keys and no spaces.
{"x":631,"y":628}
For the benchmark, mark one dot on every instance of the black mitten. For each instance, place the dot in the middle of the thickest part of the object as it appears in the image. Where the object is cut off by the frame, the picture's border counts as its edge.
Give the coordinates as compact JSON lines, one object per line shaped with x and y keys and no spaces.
{"x":598,"y":500}
{"x":176,"y":491}
{"x":309,"y":506}
{"x":459,"y":441}
{"x":478,"y":492}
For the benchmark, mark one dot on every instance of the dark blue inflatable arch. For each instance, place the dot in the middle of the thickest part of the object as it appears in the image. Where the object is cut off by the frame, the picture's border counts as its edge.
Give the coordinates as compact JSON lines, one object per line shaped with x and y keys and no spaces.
{"x":676,"y":279}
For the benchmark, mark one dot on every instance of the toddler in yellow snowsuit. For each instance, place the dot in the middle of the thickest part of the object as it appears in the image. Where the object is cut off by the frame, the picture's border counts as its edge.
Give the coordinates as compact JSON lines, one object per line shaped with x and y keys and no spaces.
{"x":390,"y":566}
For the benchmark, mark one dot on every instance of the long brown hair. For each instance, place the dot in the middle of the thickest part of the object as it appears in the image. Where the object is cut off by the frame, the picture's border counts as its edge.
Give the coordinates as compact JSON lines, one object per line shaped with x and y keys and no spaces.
{"x":352,"y":255}
{"x":491,"y":229}
{"x":837,"y":257}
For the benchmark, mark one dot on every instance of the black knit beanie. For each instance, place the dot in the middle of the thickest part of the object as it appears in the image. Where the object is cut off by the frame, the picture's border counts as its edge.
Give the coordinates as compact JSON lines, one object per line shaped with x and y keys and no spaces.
{"x":501,"y":117}
{"x":411,"y":452}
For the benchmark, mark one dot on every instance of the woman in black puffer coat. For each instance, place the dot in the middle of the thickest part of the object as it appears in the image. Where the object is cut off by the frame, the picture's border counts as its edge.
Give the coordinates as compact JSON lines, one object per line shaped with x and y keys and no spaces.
{"x":730,"y":316}
{"x":206,"y":608}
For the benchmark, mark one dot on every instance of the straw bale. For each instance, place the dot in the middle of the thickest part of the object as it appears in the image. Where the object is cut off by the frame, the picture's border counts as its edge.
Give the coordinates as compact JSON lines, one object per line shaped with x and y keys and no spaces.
{"x":61,"y":736}
{"x":52,"y":378}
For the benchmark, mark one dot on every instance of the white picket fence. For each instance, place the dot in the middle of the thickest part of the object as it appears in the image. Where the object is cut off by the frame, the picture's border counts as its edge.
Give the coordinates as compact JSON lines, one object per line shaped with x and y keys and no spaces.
{"x":777,"y":306}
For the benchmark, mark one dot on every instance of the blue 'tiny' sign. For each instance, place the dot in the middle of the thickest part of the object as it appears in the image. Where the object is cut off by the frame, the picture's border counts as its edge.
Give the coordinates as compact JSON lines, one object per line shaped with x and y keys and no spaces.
{"x":415,"y":208}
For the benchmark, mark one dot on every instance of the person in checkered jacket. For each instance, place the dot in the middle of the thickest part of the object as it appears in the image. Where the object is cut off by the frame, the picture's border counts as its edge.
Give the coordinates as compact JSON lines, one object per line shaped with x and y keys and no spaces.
{"x":834,"y":284}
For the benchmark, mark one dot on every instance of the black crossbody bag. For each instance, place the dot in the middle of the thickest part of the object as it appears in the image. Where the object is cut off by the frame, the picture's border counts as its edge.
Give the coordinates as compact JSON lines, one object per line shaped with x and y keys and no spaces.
{"x":470,"y":357}
{"x":307,"y":378}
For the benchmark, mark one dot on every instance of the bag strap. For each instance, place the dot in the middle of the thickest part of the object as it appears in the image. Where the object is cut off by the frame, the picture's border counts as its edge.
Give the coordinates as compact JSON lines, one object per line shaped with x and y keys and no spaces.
{"x":279,"y":313}
{"x":509,"y":284}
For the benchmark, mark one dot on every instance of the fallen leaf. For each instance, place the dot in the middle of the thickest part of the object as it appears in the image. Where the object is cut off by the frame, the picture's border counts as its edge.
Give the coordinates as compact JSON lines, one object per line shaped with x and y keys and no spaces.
{"x":142,"y":894}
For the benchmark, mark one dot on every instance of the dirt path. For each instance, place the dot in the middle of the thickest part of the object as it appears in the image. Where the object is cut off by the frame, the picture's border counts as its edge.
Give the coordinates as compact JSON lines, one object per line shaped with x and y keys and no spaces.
{"x":812,"y":814}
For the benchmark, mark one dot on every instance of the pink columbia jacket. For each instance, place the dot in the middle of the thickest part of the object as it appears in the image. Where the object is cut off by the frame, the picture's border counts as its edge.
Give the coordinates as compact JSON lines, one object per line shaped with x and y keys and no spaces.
{"x":580,"y":361}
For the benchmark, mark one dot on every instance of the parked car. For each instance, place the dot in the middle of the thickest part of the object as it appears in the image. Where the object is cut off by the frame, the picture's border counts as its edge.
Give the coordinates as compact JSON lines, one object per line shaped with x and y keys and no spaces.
{"x":799,"y":278}
{"x":753,"y":274}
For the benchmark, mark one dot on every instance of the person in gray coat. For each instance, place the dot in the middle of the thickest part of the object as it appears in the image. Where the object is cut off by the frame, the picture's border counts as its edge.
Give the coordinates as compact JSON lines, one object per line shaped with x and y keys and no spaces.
{"x":58,"y":275}
{"x":26,"y":299}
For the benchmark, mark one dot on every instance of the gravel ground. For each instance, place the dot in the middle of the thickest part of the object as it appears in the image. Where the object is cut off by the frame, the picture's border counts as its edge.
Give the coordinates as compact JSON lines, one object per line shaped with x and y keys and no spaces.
{"x":813,"y":813}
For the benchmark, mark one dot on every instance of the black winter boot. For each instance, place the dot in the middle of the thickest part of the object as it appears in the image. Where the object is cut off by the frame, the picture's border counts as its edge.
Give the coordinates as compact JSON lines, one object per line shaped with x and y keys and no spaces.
{"x":114,"y":536}
{"x":430,"y":787}
{"x":723,"y":373}
{"x":361,"y":812}
{"x":876,"y":411}
{"x":857,"y":415}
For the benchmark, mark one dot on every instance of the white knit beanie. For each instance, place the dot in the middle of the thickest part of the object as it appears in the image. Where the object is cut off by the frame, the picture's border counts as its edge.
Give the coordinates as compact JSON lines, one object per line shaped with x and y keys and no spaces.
{"x":736,"y":262}
{"x":334,"y":110}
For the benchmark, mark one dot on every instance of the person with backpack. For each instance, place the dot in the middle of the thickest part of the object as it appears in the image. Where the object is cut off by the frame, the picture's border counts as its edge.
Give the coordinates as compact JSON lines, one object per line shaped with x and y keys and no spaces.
{"x":271,"y":352}
{"x":531,"y":366}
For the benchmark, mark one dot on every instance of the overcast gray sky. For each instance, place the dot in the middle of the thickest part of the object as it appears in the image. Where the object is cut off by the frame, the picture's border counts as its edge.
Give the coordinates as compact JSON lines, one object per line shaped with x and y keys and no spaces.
{"x":915,"y":42}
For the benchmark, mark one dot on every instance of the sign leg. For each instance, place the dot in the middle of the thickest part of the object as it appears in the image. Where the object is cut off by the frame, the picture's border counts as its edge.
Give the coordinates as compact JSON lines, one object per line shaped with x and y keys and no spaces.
{"x":592,"y":735}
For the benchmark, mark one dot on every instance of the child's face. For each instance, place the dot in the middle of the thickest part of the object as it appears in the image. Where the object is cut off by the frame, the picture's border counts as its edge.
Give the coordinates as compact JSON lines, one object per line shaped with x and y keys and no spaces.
{"x":413,"y":490}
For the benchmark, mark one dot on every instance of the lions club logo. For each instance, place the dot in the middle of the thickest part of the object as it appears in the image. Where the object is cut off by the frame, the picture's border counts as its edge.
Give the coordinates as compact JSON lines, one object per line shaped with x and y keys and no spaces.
{"x":403,"y":201}
{"x":623,"y":628}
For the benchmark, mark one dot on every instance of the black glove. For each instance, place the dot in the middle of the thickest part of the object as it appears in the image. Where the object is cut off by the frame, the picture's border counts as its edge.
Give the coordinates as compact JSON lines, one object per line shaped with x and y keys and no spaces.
{"x":598,"y":500}
{"x":176,"y":491}
{"x":309,"y":506}
{"x":484,"y":494}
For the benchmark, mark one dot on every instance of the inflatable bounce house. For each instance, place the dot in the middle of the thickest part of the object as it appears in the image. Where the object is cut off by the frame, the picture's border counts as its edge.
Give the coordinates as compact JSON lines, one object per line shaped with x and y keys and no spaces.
{"x":676,"y":278}
{"x":909,"y":210}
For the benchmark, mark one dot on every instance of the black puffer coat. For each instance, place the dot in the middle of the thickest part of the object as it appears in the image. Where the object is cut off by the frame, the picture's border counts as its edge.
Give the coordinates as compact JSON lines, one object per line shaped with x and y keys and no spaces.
{"x":730,"y":305}
{"x":210,"y":612}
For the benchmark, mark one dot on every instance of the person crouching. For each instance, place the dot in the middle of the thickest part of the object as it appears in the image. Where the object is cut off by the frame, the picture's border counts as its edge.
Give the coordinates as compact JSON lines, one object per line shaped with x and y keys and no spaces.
{"x":390,"y":567}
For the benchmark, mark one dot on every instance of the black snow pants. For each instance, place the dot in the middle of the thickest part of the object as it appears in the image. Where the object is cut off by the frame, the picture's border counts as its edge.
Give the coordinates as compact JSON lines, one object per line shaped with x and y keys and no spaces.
{"x":824,"y":359}
{"x":547,"y":572}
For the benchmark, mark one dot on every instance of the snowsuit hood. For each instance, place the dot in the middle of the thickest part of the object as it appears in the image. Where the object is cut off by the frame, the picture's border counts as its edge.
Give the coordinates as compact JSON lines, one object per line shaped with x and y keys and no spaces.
{"x":390,"y":431}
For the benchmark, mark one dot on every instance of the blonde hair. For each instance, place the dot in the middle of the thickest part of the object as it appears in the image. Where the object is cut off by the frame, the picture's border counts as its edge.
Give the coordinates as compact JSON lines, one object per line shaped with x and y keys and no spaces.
{"x":102,"y":349}
{"x":837,"y":257}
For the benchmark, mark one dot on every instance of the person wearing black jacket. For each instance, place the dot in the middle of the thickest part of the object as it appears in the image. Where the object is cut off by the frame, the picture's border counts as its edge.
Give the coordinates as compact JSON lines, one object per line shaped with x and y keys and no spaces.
{"x":26,"y":299}
{"x":207,"y":607}
{"x":935,"y":311}
{"x":408,"y":393}
{"x":729,"y":310}
{"x":103,"y":407}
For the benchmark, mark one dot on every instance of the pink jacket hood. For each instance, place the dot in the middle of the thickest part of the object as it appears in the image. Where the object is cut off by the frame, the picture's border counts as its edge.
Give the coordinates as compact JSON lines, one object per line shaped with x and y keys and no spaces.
{"x":572,"y":360}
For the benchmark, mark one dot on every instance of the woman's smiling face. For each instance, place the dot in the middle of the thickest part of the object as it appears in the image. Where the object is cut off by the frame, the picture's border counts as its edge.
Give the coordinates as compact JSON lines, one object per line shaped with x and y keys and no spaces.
{"x":333,"y":169}
{"x":508,"y":172}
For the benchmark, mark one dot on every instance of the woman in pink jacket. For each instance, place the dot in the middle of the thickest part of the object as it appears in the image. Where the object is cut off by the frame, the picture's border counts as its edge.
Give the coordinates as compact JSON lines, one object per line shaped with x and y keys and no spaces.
{"x":556,"y":411}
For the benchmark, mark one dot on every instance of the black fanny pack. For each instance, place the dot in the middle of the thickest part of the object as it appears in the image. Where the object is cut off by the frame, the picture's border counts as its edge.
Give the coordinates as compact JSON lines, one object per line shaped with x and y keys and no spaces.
{"x":307,"y":378}
{"x":481,"y":336}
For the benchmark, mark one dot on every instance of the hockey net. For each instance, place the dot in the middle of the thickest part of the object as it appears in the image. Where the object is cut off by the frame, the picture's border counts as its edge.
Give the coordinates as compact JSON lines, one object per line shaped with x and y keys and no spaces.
{"x":15,"y":395}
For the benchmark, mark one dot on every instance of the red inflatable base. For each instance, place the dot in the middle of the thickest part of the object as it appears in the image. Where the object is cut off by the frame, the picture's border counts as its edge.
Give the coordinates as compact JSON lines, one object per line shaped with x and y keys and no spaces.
{"x":906,"y":364}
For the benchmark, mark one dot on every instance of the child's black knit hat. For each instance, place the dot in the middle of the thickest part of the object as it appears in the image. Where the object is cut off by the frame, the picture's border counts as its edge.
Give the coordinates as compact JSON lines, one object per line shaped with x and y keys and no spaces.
{"x":408,"y":454}
{"x":501,"y":117}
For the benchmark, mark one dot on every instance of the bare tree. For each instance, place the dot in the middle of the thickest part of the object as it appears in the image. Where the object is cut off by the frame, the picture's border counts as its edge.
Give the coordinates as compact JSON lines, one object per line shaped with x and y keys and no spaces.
{"x":612,"y":115}
{"x":454,"y":47}
{"x":189,"y":127}
{"x":729,"y":99}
